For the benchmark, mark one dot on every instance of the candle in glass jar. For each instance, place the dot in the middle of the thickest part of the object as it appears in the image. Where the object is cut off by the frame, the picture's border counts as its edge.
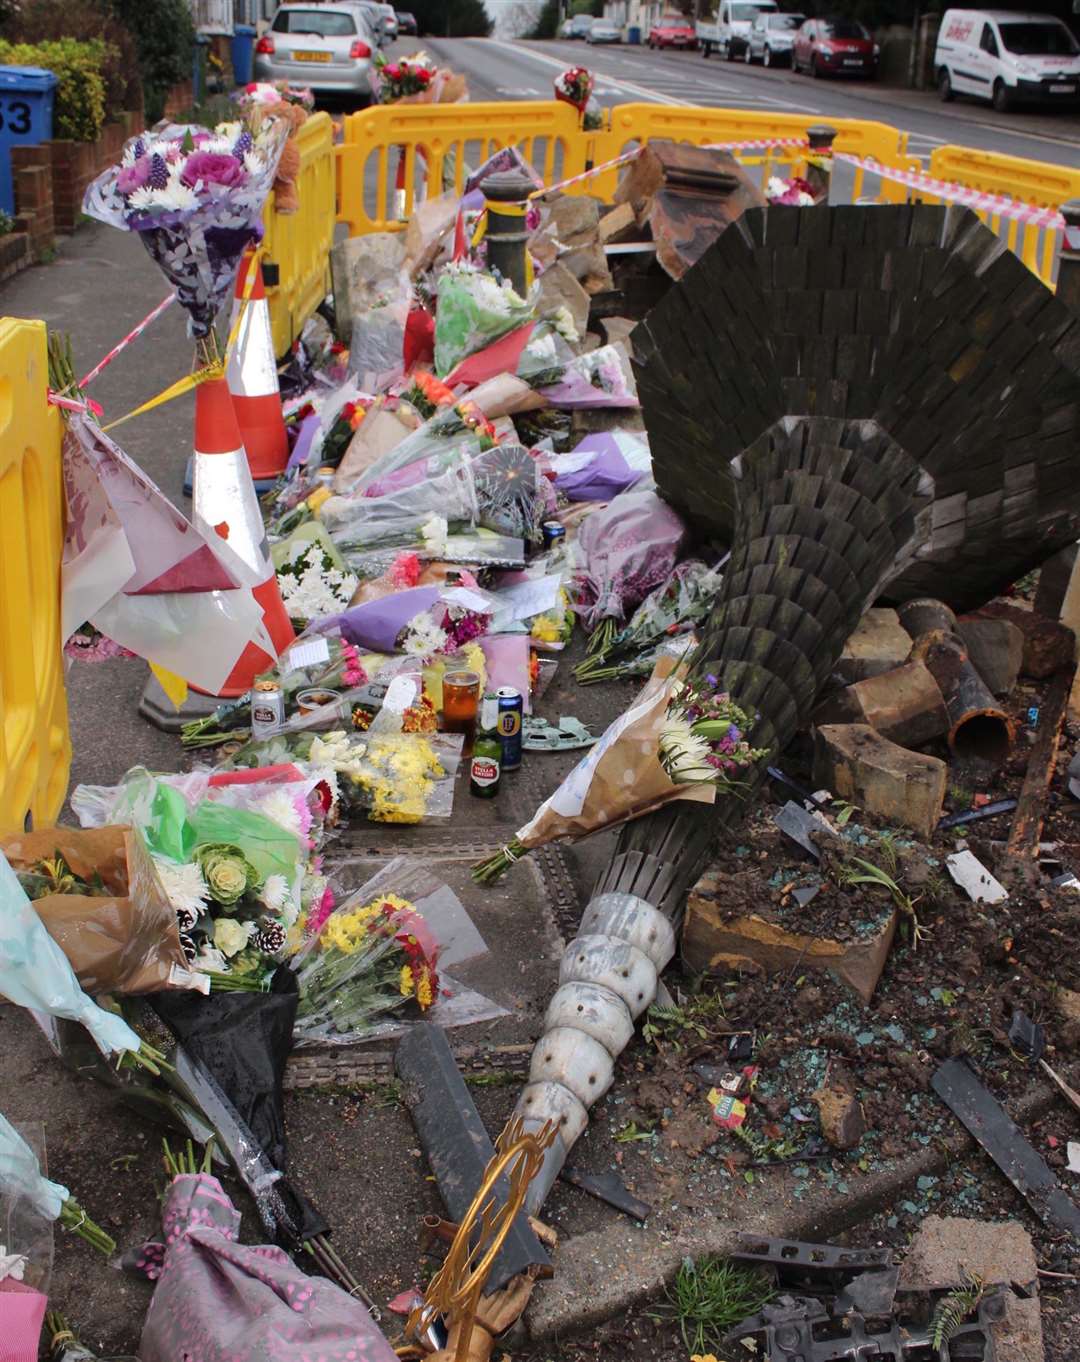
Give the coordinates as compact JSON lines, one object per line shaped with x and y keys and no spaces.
{"x":461,"y":697}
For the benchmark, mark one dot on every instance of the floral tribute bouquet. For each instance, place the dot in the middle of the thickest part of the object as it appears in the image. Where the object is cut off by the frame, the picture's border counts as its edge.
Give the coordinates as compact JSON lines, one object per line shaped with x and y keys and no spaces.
{"x":474,"y":309}
{"x":267,"y":94}
{"x":624,"y":551}
{"x":574,"y":86}
{"x":674,"y":742}
{"x":795,"y":191}
{"x":313,"y":580}
{"x":669,"y":611}
{"x":618,"y":779}
{"x":406,"y":76}
{"x":702,"y":738}
{"x":416,"y":79}
{"x":195,"y":197}
{"x":387,"y":775}
{"x":369,"y":958}
{"x":29,"y":1207}
{"x":598,"y":379}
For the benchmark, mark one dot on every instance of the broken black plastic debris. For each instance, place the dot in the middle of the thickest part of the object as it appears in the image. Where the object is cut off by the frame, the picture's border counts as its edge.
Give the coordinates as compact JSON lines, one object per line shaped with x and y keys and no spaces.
{"x":609,"y":1187}
{"x":987,"y":1120}
{"x":955,"y":820}
{"x":1027,"y":1037}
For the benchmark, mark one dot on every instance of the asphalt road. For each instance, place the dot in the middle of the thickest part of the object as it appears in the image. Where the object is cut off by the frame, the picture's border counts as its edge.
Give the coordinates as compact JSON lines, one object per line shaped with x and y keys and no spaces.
{"x":499,"y":69}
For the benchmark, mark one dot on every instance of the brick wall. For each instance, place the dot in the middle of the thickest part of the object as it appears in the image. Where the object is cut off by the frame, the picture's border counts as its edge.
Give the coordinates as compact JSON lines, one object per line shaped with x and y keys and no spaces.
{"x":31,"y":171}
{"x":179,"y":99}
{"x":15,"y":254}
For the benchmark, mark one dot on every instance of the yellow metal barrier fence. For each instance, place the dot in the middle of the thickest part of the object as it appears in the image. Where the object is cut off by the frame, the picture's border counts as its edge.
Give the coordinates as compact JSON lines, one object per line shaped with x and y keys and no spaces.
{"x":35,"y":747}
{"x":299,"y":243}
{"x":435,"y":142}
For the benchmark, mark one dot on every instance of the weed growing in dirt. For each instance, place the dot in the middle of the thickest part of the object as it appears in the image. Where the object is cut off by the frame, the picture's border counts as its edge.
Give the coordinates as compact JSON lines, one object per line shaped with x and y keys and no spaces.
{"x":951,"y":1312}
{"x":709,"y":1297}
{"x":869,"y":873}
{"x":699,"y":1017}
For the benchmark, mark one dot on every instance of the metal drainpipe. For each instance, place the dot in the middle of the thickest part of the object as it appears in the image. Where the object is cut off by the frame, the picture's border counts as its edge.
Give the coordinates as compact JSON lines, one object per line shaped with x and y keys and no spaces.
{"x":506,"y":193}
{"x":821,"y":137}
{"x":1068,"y":280}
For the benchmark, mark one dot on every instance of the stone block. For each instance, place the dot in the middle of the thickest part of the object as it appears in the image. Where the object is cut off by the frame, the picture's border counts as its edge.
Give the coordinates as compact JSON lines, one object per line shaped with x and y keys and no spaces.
{"x":878,"y":645}
{"x":574,"y":217}
{"x":365,"y":271}
{"x":559,"y":288}
{"x":995,"y":649}
{"x":945,"y":1249}
{"x":1048,"y":645}
{"x":901,"y":787}
{"x":619,"y":224}
{"x":588,"y":264}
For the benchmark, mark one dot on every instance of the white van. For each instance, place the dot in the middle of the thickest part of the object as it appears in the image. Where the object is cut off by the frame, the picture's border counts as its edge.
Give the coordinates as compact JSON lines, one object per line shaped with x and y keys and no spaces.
{"x":1007,"y":57}
{"x":728,"y":31}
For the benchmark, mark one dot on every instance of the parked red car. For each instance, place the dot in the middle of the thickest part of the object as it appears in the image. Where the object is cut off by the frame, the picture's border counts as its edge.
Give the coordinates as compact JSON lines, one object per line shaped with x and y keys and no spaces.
{"x":673,"y":31}
{"x":835,"y":47}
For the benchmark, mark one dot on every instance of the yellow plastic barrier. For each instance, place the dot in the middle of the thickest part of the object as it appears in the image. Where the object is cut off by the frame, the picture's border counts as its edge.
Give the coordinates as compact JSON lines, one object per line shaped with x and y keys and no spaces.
{"x":436,"y":140}
{"x":631,"y":123}
{"x":299,"y":243}
{"x":1037,"y":182}
{"x":35,"y":747}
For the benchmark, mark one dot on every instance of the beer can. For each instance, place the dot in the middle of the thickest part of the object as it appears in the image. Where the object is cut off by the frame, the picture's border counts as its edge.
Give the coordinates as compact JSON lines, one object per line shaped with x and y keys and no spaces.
{"x":552,"y":531}
{"x":511,"y":709}
{"x":267,"y":709}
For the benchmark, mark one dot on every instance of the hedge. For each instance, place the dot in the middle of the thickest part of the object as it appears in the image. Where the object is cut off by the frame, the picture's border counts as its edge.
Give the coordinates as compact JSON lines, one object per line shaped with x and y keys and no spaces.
{"x":79,"y":109}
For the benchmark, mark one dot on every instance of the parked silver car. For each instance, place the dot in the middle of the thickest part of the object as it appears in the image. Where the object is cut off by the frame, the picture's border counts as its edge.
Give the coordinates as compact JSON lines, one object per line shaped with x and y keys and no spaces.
{"x":389,"y":21}
{"x":772,"y":39}
{"x":603,"y":32}
{"x":326,"y":47}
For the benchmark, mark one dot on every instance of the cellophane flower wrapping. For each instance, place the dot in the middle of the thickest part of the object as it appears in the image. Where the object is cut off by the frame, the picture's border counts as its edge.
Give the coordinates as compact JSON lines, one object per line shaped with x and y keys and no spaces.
{"x":217,"y":1298}
{"x":451,"y":433}
{"x":674,"y":608}
{"x":29,"y":1206}
{"x":195,"y":196}
{"x":385,"y":775}
{"x":373,"y":955}
{"x":574,"y":86}
{"x":474,"y":309}
{"x":623,"y":551}
{"x":601,"y":378}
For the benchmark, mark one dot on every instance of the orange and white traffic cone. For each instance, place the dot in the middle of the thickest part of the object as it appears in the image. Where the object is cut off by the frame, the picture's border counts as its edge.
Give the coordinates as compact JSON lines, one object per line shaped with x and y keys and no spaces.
{"x":224,"y":503}
{"x":253,"y":380}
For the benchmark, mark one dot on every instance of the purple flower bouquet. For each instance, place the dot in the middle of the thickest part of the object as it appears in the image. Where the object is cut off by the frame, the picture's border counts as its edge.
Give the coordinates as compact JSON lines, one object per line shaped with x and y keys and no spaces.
{"x":195,"y":196}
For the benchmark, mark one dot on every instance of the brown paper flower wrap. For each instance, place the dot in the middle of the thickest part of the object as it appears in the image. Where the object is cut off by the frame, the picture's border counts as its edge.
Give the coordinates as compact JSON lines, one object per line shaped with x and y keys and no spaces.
{"x":618,"y":779}
{"x":126,"y":943}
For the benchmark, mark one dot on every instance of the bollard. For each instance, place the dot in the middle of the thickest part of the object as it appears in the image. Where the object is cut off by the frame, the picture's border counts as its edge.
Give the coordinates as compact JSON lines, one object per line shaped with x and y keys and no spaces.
{"x":1068,"y":280}
{"x":507,"y":193}
{"x":821,"y":137}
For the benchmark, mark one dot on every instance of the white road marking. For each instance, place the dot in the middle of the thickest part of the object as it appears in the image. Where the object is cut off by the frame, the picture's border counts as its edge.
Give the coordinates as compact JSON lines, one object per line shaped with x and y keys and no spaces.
{"x":519,"y":50}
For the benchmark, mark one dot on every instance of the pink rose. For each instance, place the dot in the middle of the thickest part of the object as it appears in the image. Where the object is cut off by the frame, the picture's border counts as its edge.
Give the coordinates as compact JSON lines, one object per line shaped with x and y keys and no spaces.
{"x":212,"y":167}
{"x":134,"y":176}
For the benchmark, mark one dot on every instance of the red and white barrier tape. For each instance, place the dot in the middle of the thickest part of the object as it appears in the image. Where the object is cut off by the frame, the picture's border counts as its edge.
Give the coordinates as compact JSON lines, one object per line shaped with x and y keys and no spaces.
{"x":134,"y":334}
{"x":977,"y":199}
{"x":758,"y":145}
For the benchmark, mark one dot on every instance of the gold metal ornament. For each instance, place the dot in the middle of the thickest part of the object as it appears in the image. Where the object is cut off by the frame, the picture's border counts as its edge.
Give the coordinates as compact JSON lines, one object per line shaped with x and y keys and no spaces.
{"x":454,"y":1292}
